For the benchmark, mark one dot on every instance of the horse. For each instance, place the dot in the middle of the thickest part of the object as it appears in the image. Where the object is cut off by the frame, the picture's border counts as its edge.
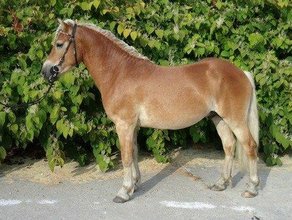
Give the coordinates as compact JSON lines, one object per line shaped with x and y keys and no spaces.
{"x":136,"y":93}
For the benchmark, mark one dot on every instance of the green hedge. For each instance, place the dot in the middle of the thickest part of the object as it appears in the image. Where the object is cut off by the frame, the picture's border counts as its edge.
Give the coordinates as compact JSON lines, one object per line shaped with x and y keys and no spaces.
{"x":254,"y":35}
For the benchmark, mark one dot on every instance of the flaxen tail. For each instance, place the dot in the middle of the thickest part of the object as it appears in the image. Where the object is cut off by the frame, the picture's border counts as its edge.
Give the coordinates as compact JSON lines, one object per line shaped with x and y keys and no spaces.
{"x":253,"y":124}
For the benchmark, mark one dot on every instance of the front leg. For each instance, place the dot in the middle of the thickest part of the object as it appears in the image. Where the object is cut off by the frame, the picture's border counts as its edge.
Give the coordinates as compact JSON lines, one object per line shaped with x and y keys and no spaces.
{"x":126,"y":137}
{"x":135,"y":166}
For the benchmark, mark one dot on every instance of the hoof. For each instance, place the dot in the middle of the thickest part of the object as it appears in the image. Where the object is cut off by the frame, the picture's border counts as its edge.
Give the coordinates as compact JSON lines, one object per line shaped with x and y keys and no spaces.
{"x":118,"y":199}
{"x":249,"y":194}
{"x":218,"y":187}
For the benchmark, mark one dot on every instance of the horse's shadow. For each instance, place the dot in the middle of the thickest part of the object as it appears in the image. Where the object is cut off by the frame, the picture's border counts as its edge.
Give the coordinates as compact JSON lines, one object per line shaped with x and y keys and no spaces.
{"x":180,"y":161}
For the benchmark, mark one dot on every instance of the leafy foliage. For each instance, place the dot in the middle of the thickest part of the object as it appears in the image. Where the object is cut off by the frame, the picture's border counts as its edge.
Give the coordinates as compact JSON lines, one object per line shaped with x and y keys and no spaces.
{"x":252,"y":34}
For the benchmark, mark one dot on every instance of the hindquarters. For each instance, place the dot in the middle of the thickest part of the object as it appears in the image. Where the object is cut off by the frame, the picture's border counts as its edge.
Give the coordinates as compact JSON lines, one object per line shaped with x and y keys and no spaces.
{"x":237,"y":107}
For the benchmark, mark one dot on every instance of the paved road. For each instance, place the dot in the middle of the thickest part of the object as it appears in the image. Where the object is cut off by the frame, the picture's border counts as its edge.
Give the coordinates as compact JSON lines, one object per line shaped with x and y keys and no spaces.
{"x":165,"y":194}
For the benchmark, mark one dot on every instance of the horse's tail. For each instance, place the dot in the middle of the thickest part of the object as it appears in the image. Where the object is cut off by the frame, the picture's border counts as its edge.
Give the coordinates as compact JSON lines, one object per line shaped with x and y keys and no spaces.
{"x":253,"y":124}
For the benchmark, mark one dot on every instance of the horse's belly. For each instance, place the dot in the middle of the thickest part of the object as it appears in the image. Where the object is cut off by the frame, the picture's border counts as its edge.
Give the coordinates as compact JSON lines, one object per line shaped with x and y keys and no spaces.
{"x":171,"y":118}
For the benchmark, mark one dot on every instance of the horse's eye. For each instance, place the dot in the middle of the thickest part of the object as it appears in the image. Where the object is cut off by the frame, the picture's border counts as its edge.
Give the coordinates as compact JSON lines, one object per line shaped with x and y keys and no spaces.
{"x":59,"y":45}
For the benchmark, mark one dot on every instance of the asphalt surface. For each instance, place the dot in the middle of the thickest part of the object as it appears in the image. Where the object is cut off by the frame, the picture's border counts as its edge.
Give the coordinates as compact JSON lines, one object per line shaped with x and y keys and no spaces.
{"x":165,"y":194}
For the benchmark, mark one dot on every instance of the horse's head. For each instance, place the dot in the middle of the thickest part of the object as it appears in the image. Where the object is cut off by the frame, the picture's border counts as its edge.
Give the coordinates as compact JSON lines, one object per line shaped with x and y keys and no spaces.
{"x":64,"y":54}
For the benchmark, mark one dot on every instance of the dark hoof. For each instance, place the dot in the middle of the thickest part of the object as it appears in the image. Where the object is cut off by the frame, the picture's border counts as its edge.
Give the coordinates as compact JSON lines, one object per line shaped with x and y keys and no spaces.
{"x":218,"y":187}
{"x":136,"y":187}
{"x":118,"y":199}
{"x":248,"y":194}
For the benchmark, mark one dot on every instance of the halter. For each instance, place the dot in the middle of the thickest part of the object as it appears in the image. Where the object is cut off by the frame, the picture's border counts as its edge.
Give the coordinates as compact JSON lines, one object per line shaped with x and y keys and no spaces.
{"x":55,"y":70}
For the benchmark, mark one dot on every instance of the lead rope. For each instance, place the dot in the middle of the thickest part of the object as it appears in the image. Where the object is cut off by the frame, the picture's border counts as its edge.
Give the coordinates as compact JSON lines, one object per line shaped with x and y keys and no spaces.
{"x":27,"y":104}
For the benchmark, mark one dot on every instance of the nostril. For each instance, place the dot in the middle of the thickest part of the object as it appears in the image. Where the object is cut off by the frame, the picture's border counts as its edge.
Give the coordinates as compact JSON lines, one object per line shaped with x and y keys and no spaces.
{"x":54,"y":70}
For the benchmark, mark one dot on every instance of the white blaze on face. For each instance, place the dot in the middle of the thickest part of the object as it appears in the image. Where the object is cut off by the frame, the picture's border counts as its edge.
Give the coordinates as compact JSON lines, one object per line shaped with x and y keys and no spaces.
{"x":48,"y":63}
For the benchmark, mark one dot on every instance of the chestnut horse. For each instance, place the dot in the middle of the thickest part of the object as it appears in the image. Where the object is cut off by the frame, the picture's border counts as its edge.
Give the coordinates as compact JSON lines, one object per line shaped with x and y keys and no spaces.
{"x":138,"y":93}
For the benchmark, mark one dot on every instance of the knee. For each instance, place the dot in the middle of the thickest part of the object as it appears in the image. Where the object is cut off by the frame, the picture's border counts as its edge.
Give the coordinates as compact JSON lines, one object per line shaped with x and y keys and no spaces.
{"x":229,"y":145}
{"x":229,"y":150}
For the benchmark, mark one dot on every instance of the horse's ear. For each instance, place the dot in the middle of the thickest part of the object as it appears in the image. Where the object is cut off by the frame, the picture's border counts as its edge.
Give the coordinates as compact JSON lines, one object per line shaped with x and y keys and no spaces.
{"x":61,"y":23}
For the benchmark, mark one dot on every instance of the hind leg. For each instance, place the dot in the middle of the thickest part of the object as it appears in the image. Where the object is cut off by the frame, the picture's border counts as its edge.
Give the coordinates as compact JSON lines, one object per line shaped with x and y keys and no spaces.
{"x":249,"y":145}
{"x":228,"y":142}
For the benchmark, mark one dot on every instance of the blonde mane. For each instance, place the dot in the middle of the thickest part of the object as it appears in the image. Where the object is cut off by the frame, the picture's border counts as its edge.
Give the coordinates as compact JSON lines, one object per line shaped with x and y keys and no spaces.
{"x":109,"y":35}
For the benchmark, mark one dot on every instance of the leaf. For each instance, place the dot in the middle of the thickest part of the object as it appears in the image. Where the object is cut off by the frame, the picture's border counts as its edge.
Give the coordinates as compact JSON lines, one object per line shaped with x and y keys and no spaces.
{"x":120,"y":29}
{"x":275,"y":130}
{"x":2,"y":118}
{"x":42,"y":116}
{"x":126,"y":32}
{"x":57,"y":94}
{"x":70,"y":11}
{"x":103,"y":165}
{"x":60,"y":125}
{"x":283,"y":3}
{"x":2,"y":153}
{"x":157,"y":44}
{"x":200,"y":51}
{"x":96,"y":3}
{"x":149,"y":29}
{"x":71,"y":132}
{"x":64,"y":109}
{"x":155,"y":134}
{"x":74,"y":109}
{"x":134,"y":35}
{"x":85,"y":6}
{"x":68,"y":79}
{"x":112,"y":25}
{"x":40,"y":54}
{"x":255,"y":38}
{"x":270,"y":161}
{"x":11,"y":117}
{"x":279,"y":162}
{"x":159,"y":33}
{"x":161,"y":158}
{"x":55,"y":114}
{"x":28,"y":123}
{"x":14,"y":128}
{"x":150,"y":142}
{"x":151,"y":43}
{"x":52,"y":164}
{"x":53,"y":2}
{"x":218,"y":4}
{"x":66,"y":130}
{"x":225,"y":54}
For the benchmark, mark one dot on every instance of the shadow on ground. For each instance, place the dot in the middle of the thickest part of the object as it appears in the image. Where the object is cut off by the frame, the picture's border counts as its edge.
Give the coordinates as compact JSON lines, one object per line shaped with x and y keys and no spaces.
{"x":181,"y":161}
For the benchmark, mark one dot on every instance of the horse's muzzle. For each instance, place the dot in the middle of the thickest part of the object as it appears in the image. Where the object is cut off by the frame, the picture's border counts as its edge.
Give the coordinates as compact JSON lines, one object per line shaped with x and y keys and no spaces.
{"x":55,"y":70}
{"x":51,"y":72}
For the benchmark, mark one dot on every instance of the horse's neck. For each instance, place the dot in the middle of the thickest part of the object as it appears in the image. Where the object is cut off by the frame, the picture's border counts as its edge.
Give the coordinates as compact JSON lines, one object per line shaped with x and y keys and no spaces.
{"x":105,"y":60}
